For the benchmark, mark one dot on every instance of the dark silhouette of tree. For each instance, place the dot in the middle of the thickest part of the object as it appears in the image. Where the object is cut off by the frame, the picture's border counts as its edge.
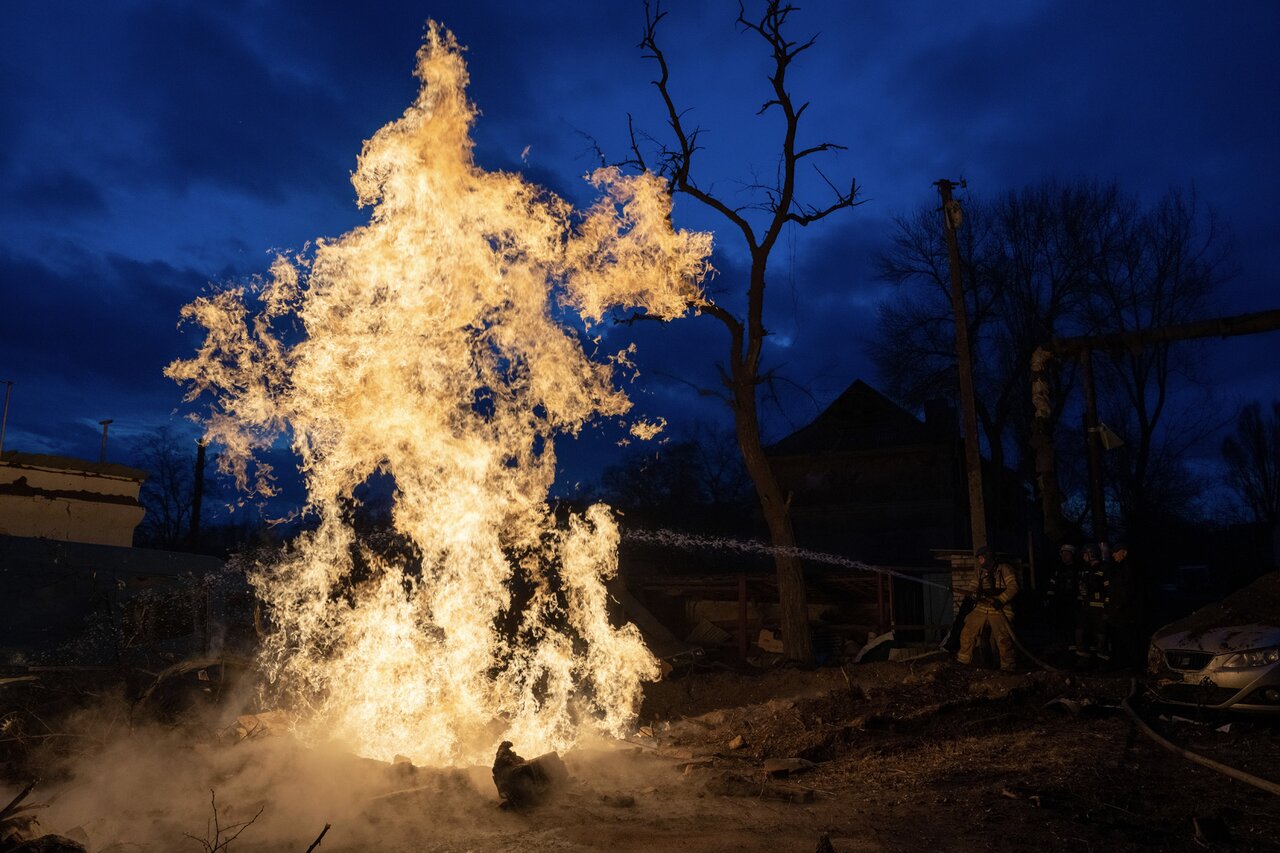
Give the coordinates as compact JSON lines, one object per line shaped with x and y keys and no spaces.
{"x":1025,"y":259}
{"x":1252,"y":456}
{"x":760,"y":225}
{"x":168,"y":494}
{"x":702,"y":471}
{"x":1049,"y":261}
{"x":1155,"y":267}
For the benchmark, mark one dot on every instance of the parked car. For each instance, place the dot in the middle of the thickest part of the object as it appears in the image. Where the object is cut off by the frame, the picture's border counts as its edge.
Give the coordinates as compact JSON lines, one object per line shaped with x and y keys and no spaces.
{"x":1225,"y":656}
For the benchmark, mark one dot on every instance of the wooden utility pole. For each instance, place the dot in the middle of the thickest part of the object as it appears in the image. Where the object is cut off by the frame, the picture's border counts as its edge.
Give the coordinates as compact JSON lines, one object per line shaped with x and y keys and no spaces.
{"x":102,"y":454}
{"x":4,"y":419}
{"x":1093,"y":435}
{"x":1042,"y":397}
{"x":951,"y":216}
{"x":197,"y":493}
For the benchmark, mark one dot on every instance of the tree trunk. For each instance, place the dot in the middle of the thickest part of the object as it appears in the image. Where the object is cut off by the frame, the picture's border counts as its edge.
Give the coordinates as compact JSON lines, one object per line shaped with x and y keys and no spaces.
{"x":793,"y":601}
{"x":1055,"y":528}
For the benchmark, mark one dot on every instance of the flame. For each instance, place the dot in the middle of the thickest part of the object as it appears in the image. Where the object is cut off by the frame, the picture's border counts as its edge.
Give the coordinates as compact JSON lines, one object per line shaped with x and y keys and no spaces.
{"x":426,"y":345}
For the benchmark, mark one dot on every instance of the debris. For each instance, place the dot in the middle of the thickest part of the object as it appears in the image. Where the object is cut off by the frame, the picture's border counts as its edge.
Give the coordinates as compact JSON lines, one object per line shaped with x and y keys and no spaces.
{"x":877,"y":648}
{"x":621,"y":801}
{"x":1211,"y":830}
{"x":786,"y":766}
{"x":707,"y":634}
{"x":1225,"y":728}
{"x":727,"y":784}
{"x":1017,"y":792}
{"x":1085,"y":707}
{"x":903,"y":653}
{"x":768,"y":642}
{"x":688,"y":767}
{"x":526,"y":783}
{"x":266,"y":724}
{"x":824,"y":844}
{"x":709,"y":720}
{"x":738,"y":742}
{"x":1066,"y":704}
{"x":49,"y":844}
{"x":17,"y":823}
{"x":319,"y":838}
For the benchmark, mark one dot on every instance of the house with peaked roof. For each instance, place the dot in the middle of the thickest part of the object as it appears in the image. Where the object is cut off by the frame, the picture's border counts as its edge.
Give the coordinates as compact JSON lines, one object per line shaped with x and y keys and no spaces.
{"x":867,"y":480}
{"x":870,"y":480}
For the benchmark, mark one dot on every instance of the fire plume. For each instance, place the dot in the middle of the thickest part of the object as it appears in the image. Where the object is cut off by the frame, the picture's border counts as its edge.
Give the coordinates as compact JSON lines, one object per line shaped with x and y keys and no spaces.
{"x":428,"y":346}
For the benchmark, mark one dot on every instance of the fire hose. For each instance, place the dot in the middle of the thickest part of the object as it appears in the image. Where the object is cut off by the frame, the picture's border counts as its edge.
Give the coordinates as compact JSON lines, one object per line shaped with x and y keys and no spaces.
{"x":1013,"y":635}
{"x":1194,"y":757}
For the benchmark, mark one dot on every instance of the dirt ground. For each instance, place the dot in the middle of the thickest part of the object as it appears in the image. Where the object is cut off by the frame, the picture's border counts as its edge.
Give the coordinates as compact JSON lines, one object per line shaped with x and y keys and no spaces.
{"x":890,"y":756}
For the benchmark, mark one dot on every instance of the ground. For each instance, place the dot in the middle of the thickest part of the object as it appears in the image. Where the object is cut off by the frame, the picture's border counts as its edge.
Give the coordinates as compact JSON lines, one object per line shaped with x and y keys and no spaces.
{"x":905,"y":755}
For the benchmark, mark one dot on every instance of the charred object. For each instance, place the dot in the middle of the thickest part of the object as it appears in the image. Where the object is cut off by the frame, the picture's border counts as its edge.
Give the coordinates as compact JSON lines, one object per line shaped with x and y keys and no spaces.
{"x":522,"y":783}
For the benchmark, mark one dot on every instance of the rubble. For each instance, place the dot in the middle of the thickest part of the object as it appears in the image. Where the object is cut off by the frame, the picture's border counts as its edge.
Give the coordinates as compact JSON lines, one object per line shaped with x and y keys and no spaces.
{"x":48,"y":844}
{"x":265,"y":724}
{"x":769,"y":642}
{"x":781,"y":767}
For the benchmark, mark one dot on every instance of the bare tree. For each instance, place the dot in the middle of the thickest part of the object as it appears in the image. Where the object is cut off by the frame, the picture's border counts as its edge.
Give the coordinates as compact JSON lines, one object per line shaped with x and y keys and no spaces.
{"x":700,"y":471}
{"x":1025,"y":262}
{"x":1156,"y":267}
{"x":1252,"y":456}
{"x":1049,"y":261}
{"x":168,"y":495}
{"x":760,"y":224}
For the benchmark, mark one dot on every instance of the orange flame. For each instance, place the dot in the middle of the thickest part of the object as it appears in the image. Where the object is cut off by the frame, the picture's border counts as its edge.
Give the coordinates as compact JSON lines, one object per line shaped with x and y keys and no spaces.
{"x":425,"y":345}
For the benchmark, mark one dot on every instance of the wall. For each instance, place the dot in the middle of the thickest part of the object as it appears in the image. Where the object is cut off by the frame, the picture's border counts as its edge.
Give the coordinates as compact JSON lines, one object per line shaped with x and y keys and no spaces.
{"x":69,"y":500}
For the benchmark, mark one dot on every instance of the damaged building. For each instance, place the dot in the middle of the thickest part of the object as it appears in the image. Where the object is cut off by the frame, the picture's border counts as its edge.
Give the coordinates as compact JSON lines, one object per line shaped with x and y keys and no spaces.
{"x":80,"y":595}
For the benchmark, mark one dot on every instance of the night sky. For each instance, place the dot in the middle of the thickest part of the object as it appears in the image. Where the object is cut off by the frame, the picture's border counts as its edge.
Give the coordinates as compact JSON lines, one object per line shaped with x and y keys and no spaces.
{"x":151,"y":149}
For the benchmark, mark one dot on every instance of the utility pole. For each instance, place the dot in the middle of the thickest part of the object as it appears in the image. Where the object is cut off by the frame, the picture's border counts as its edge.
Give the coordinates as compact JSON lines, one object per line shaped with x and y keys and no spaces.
{"x":951,"y":217}
{"x":1093,"y":435}
{"x":102,"y":455}
{"x":1042,"y":397}
{"x":4,"y":419}
{"x":197,"y":496}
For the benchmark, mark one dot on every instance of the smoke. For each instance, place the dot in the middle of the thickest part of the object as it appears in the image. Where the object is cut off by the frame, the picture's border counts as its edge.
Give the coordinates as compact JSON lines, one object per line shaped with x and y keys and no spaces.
{"x":149,"y":790}
{"x":428,"y":346}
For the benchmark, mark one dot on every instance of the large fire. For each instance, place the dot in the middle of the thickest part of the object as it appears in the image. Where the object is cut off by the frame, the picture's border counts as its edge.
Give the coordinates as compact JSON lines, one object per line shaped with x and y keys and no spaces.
{"x":426,"y":346}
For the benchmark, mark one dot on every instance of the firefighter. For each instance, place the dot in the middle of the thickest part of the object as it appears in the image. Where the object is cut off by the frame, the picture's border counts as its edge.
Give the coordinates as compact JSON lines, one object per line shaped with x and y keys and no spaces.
{"x":997,"y":586}
{"x":1092,"y":594}
{"x":1060,"y":598}
{"x":1124,"y":607}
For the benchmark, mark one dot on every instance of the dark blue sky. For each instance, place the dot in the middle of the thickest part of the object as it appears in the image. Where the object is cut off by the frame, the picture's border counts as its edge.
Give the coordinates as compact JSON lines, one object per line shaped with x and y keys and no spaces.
{"x":152,"y":148}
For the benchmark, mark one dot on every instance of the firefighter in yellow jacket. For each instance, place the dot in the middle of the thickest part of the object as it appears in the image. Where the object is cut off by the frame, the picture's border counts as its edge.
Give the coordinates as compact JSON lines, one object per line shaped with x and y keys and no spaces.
{"x":997,"y":586}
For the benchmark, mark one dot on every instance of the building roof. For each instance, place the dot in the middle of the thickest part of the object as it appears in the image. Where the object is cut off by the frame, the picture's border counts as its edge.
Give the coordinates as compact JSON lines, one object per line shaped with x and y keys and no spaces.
{"x":15,"y":459}
{"x":860,"y":419}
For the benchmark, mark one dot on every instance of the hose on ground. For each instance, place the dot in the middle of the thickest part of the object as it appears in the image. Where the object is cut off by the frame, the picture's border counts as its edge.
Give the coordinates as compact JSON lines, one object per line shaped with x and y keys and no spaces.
{"x":1013,"y":635}
{"x":1195,"y":757}
{"x":1226,"y":770}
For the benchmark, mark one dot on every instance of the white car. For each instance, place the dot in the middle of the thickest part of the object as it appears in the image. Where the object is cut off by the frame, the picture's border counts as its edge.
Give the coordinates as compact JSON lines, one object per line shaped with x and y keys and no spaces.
{"x":1224,"y":656}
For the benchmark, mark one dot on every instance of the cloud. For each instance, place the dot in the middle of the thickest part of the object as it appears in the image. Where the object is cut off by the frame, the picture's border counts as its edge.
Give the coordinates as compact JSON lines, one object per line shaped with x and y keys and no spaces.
{"x":211,"y":110}
{"x":57,"y":194}
{"x":87,"y":336}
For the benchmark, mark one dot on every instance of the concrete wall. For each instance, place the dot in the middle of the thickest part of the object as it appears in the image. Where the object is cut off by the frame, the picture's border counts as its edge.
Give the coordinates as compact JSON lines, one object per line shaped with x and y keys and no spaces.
{"x":70,"y":500}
